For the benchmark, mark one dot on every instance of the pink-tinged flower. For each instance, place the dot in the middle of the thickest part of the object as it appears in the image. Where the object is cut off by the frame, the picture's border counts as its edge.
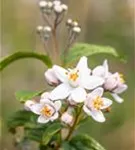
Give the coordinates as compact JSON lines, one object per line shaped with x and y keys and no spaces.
{"x":95,"y":103}
{"x":51,"y":77}
{"x":74,"y":82}
{"x":46,"y":109}
{"x":112,"y":82}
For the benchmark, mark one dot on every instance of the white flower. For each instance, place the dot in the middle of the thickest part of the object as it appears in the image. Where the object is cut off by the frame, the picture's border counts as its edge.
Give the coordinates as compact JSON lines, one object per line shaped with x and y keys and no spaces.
{"x":95,"y":103}
{"x":113,"y":82}
{"x":51,"y":77}
{"x":56,"y":2}
{"x":39,"y":29}
{"x":46,"y":109}
{"x":74,"y":82}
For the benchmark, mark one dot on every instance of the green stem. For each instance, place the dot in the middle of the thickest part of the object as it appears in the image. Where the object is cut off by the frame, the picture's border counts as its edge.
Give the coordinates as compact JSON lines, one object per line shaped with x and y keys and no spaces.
{"x":77,"y":119}
{"x":20,"y":55}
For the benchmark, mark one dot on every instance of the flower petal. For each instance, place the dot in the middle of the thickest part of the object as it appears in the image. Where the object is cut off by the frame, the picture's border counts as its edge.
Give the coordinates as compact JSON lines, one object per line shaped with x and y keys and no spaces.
{"x":82,"y":66}
{"x":120,"y":89}
{"x":42,"y":119}
{"x":117,"y":98}
{"x":60,"y":92}
{"x":60,"y":73}
{"x":45,"y":95}
{"x":97,"y":92}
{"x":57,"y":105}
{"x":106,"y":103}
{"x":86,"y":110}
{"x":105,"y":65}
{"x":51,"y":77}
{"x":78,"y":95}
{"x":99,"y":71}
{"x":36,"y":108}
{"x":98,"y":116}
{"x":55,"y":116}
{"x":91,"y":82}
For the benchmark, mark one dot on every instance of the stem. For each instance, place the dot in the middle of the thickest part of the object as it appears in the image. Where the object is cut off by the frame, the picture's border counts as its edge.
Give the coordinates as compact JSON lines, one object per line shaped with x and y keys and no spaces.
{"x":74,"y":125}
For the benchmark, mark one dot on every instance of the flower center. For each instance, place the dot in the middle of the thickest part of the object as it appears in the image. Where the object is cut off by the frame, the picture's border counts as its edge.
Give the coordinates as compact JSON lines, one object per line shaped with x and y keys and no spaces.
{"x":121,"y":76}
{"x":73,"y":75}
{"x":98,"y":103}
{"x":46,"y":111}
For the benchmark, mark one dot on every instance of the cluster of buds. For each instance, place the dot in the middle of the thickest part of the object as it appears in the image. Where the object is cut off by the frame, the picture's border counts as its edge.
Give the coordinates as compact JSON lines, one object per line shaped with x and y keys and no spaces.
{"x":44,"y":31}
{"x":73,"y":26}
{"x":56,"y":6}
{"x":79,"y":87}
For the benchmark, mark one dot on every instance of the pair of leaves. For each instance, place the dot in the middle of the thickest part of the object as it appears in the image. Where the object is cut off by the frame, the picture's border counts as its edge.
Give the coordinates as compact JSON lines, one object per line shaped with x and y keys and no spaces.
{"x":83,"y":49}
{"x":82,"y":142}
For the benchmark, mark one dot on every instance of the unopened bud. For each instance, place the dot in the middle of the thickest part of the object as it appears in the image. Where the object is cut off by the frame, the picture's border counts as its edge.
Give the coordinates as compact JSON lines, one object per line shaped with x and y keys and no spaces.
{"x":56,"y":2}
{"x":75,"y":23}
{"x":58,"y":9}
{"x":47,"y":29}
{"x":50,"y":4}
{"x":76,"y":29}
{"x":64,"y":7}
{"x":39,"y":29}
{"x":42,"y":4}
{"x":28,"y":104}
{"x":67,"y":118}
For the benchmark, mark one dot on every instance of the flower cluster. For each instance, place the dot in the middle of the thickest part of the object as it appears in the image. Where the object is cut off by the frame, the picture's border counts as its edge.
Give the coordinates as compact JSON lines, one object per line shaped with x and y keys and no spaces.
{"x":78,"y":86}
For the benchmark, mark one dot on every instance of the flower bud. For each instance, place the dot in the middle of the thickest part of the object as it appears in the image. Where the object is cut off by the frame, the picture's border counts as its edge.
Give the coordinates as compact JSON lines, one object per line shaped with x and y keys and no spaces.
{"x":58,"y":9}
{"x":51,"y":77}
{"x":42,"y":4}
{"x":56,"y":2}
{"x":67,"y":118}
{"x":69,"y":22}
{"x":76,"y":30}
{"x":75,"y":23}
{"x":50,"y":4}
{"x":64,"y":7}
{"x":28,"y":104}
{"x":39,"y":29}
{"x":47,"y":29}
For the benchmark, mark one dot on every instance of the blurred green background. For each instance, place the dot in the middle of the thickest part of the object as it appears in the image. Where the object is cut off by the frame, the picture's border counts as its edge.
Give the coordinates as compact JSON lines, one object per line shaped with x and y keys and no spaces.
{"x":104,"y":22}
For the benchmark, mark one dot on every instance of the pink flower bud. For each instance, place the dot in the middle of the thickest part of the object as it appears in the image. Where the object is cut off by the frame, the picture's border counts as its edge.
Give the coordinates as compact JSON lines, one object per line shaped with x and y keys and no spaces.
{"x":51,"y":77}
{"x":67,"y":118}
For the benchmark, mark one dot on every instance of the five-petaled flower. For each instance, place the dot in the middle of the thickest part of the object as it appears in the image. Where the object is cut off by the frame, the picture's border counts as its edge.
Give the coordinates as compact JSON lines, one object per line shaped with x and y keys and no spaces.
{"x":74,"y":82}
{"x":94,"y":103}
{"x":46,"y":109}
{"x":113,"y":82}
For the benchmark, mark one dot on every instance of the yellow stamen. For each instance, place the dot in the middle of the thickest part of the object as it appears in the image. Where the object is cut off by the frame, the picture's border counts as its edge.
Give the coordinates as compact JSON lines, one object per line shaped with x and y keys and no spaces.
{"x":121,"y":78}
{"x":46,"y":111}
{"x":73,"y":76}
{"x":98,"y":103}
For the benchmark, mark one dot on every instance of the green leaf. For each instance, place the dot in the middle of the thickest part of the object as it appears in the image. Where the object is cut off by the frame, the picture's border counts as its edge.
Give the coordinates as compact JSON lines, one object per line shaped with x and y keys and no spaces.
{"x":23,"y":96}
{"x":21,"y":55}
{"x":83,"y":49}
{"x":85,"y":142}
{"x":19,"y":118}
{"x":50,"y":132}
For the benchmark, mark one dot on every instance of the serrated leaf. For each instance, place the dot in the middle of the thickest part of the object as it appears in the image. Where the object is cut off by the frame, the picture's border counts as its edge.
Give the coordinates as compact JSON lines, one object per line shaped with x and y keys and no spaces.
{"x":21,"y":55}
{"x":83,"y":49}
{"x":86,"y":142}
{"x":50,"y":132}
{"x":23,"y":96}
{"x":19,"y":118}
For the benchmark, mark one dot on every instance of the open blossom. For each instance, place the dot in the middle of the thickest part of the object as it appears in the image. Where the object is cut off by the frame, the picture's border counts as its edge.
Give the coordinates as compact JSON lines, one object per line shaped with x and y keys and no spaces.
{"x":46,"y":109}
{"x":94,"y":103}
{"x":74,"y":82}
{"x":113,"y":82}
